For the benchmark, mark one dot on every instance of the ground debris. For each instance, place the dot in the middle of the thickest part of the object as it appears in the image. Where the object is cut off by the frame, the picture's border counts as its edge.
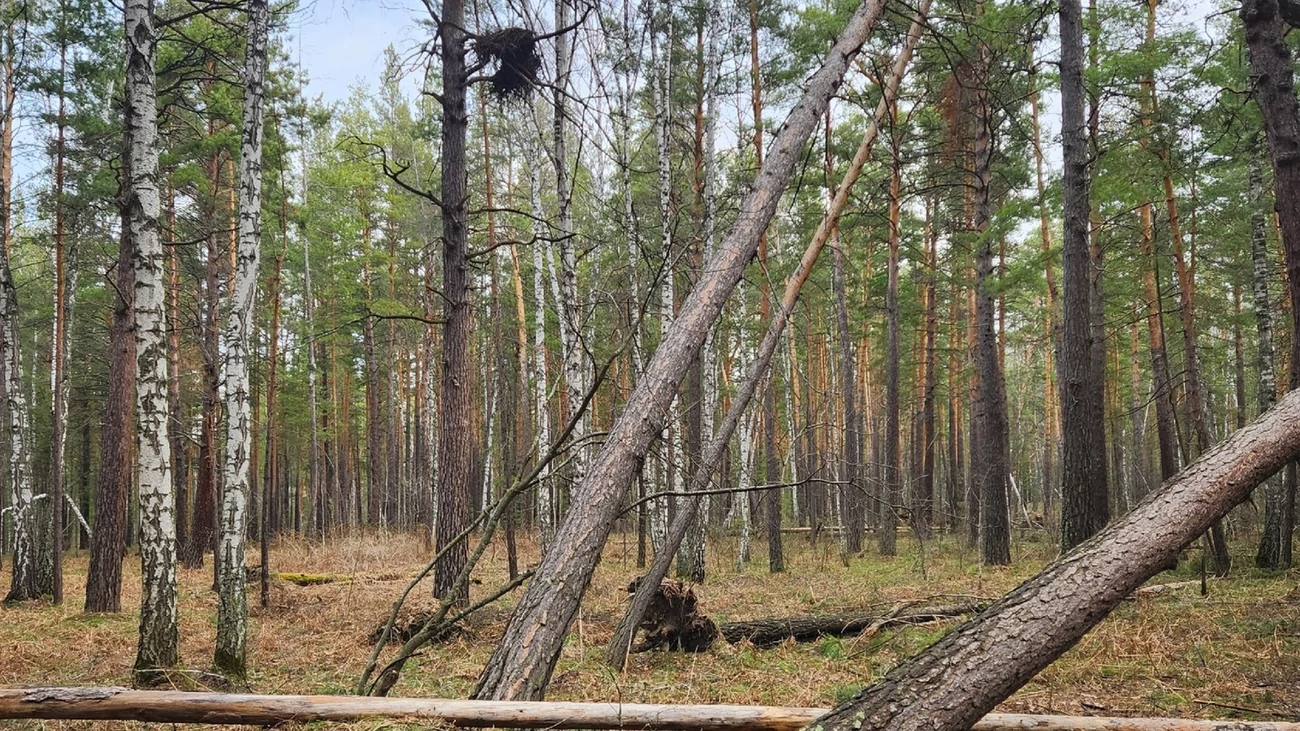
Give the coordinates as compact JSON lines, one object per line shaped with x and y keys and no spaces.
{"x":674,"y":620}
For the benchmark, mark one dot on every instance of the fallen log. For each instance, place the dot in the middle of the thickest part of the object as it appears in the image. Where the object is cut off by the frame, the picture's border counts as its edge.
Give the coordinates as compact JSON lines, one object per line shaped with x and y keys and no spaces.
{"x":964,"y":675}
{"x":1153,"y":590}
{"x":164,"y":706}
{"x":774,"y":631}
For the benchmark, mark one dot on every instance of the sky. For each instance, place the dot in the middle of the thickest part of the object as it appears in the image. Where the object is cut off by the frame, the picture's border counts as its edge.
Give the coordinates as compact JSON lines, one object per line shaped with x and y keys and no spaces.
{"x":341,"y":42}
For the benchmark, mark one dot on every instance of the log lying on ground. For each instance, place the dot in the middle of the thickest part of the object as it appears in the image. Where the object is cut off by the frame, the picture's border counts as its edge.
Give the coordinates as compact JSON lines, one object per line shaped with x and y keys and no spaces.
{"x":973,"y":668}
{"x":775,"y":630}
{"x":121,"y":704}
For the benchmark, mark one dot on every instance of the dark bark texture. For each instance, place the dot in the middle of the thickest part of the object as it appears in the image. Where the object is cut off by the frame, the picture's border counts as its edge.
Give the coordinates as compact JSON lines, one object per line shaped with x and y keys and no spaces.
{"x":964,"y":675}
{"x":1274,"y":91}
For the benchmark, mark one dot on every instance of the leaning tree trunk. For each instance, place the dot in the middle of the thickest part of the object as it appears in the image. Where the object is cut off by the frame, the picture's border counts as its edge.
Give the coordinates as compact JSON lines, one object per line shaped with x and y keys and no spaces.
{"x":158,"y":634}
{"x":621,"y":642}
{"x":964,"y":675}
{"x":521,"y":665}
{"x":1274,"y":91}
{"x":232,"y":602}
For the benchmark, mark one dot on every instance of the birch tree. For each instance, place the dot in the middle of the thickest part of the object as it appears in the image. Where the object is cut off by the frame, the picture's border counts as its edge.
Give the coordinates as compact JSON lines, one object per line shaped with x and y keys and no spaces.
{"x":23,"y":583}
{"x":232,"y":603}
{"x":157,"y":649}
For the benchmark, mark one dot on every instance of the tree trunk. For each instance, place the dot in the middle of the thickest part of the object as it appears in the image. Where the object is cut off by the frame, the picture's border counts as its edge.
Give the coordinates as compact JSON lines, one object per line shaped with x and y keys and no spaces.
{"x":1050,"y":324}
{"x":995,"y":532}
{"x":59,"y":377}
{"x":773,"y":631}
{"x":961,"y":677}
{"x":758,"y":366}
{"x":10,"y":82}
{"x":158,"y":633}
{"x":1275,"y":538}
{"x":106,"y":703}
{"x":575,"y":376}
{"x":456,"y":391}
{"x":1079,"y":390}
{"x":117,"y":438}
{"x":232,"y":602}
{"x":24,"y":582}
{"x":203,"y":526}
{"x":315,"y":485}
{"x":852,"y":519}
{"x":892,"y":496}
{"x":922,"y":518}
{"x":271,"y":481}
{"x":541,"y":387}
{"x":376,"y":470}
{"x":1274,"y":92}
{"x":522,"y":663}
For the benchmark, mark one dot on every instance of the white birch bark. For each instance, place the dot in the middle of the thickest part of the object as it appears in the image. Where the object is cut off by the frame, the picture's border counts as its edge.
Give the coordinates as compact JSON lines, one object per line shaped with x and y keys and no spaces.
{"x":671,"y":435}
{"x":23,"y":583}
{"x":696,"y":539}
{"x":742,"y":497}
{"x":157,"y":649}
{"x":232,"y":605}
{"x":575,"y":377}
{"x":542,"y":419}
{"x":625,"y":85}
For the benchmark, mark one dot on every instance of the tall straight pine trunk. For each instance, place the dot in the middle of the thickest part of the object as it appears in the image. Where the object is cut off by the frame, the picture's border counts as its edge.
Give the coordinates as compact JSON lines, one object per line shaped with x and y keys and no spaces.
{"x":456,"y":388}
{"x":1079,"y":390}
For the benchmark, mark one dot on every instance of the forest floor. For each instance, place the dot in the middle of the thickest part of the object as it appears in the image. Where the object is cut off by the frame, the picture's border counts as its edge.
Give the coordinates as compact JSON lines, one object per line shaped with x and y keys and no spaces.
{"x":1232,"y":654}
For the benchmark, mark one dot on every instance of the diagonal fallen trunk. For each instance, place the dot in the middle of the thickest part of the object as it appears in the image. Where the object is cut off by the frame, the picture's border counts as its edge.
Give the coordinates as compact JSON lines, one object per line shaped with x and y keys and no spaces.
{"x":963,"y":676}
{"x":521,"y":665}
{"x":621,"y":642}
{"x":120,"y":704}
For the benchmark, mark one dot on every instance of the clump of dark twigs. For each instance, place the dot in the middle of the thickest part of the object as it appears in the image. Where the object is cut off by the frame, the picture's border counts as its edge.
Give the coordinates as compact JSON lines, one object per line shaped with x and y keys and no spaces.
{"x":514,"y":50}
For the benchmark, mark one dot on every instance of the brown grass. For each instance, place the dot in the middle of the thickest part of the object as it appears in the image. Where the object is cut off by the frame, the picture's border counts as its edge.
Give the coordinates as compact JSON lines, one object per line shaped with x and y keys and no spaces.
{"x":1240,"y":646}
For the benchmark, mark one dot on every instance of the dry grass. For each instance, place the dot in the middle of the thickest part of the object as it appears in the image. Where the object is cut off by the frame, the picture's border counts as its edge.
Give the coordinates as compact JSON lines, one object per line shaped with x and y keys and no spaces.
{"x":1240,"y":646}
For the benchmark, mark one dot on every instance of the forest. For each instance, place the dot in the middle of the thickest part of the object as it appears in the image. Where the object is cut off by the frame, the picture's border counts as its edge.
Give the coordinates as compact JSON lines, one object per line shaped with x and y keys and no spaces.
{"x":886,"y":363}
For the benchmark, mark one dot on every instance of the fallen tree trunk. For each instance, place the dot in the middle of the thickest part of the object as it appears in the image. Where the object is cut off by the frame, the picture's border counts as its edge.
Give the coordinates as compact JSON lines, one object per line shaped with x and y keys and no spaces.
{"x":967,"y":673}
{"x":521,"y":664}
{"x":621,"y":642}
{"x":120,"y":704}
{"x":775,"y":630}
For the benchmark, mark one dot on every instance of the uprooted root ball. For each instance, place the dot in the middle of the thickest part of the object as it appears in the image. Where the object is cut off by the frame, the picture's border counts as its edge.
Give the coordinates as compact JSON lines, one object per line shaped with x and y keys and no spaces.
{"x":674,"y":620}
